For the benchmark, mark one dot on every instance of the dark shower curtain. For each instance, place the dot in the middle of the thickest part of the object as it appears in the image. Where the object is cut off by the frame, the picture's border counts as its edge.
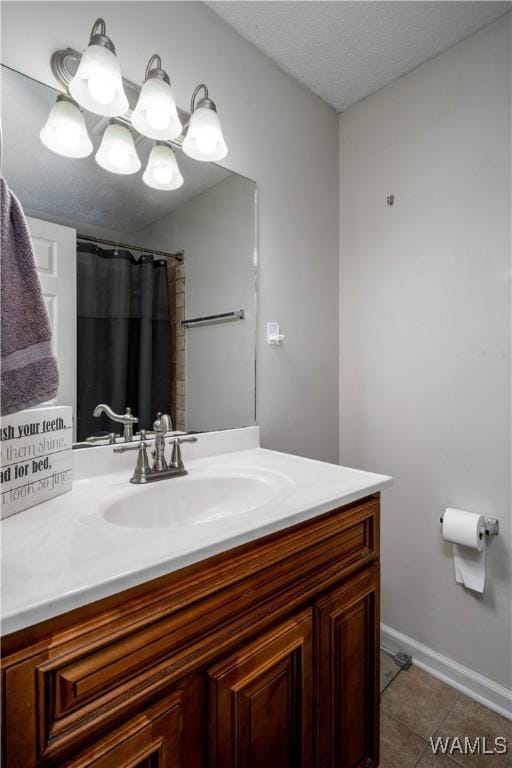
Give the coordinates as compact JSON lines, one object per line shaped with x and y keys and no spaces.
{"x":124,"y":337}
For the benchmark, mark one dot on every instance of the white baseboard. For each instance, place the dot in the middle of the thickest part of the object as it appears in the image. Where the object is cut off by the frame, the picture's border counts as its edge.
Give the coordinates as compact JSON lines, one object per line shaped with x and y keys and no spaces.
{"x":478,"y":687}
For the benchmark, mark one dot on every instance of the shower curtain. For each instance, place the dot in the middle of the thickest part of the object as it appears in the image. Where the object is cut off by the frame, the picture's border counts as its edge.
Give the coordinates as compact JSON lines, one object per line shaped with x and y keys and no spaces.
{"x":124,"y":337}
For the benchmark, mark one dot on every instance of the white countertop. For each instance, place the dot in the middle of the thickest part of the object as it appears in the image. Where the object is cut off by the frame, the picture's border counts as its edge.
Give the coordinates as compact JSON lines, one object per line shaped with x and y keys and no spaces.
{"x":64,"y":553}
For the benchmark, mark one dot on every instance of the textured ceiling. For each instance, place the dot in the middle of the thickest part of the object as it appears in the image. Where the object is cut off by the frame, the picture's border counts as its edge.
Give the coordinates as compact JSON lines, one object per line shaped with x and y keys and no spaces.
{"x":343,"y":51}
{"x":80,"y":191}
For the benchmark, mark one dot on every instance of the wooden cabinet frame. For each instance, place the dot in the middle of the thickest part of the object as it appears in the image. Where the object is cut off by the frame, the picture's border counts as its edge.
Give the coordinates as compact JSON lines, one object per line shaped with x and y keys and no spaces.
{"x":73,"y":681}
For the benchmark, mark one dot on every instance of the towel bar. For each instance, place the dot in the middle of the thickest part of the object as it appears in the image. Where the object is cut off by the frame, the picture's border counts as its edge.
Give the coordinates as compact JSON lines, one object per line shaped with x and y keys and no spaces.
{"x":237,"y":314}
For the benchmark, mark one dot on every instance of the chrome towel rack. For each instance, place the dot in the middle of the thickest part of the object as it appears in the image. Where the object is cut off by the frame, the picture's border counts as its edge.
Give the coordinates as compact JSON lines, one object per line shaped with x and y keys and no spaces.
{"x":237,"y":314}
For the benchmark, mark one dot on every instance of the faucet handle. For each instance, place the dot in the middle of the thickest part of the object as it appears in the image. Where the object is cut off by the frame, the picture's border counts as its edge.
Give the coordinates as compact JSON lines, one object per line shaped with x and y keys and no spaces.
{"x":142,"y":468}
{"x":135,"y":447}
{"x":176,"y":458}
{"x":128,"y":416}
{"x":178,"y":439}
{"x":110,"y":439}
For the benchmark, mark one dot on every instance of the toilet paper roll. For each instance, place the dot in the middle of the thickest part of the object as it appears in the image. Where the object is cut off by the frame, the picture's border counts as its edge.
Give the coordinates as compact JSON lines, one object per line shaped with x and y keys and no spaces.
{"x":466,"y":531}
{"x":466,"y":528}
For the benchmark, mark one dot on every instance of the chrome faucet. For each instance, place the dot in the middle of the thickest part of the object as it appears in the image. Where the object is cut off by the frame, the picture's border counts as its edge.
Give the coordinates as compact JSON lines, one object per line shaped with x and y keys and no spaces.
{"x":125,"y":418}
{"x":162,"y":425}
{"x":160,"y":469}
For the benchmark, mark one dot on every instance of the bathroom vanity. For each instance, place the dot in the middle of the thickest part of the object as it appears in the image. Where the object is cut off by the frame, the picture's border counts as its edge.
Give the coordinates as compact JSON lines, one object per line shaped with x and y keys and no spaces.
{"x":253,"y":642}
{"x":227,"y":616}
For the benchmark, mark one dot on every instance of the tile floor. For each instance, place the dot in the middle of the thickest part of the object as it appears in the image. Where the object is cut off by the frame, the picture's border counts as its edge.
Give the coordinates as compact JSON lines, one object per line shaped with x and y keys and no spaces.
{"x":416,"y":705}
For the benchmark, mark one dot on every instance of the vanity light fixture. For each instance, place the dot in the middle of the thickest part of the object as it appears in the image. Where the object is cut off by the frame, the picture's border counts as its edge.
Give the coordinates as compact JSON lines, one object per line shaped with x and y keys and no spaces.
{"x":97,"y":84}
{"x":162,"y":171}
{"x":65,"y":132}
{"x":117,"y":152}
{"x":156,"y":114}
{"x":204,"y":140}
{"x":93,"y":80}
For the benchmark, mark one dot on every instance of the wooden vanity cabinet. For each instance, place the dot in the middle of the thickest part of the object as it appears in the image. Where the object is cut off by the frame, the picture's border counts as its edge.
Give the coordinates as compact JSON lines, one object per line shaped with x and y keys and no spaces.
{"x":263,"y":656}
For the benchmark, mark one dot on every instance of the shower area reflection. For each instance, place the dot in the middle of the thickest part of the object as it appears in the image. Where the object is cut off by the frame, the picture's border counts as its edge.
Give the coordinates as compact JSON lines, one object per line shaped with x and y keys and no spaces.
{"x":126,"y":334}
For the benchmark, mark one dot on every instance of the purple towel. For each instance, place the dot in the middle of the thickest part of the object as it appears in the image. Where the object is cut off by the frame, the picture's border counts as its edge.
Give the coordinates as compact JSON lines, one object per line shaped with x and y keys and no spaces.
{"x":29,"y":374}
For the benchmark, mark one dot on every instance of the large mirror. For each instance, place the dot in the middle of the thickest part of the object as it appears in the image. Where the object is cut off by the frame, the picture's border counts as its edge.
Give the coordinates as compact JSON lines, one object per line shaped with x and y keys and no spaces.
{"x":151,"y":293}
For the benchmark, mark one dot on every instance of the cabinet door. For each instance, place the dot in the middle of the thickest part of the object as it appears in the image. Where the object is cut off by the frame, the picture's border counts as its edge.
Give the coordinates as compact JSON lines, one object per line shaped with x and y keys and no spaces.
{"x":347,"y":674}
{"x":261,"y":701}
{"x":151,"y":740}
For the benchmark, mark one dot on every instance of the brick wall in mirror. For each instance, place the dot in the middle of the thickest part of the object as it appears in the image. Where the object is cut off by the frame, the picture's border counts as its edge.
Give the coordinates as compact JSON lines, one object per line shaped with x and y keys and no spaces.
{"x":151,"y":292}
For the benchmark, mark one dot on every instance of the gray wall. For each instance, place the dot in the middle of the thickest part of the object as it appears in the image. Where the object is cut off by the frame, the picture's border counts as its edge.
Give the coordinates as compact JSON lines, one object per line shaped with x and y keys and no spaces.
{"x":280,"y":135}
{"x":216,"y":231}
{"x":425,"y":333}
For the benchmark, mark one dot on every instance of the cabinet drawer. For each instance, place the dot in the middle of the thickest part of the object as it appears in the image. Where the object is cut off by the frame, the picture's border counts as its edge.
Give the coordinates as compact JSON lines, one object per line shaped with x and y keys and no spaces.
{"x":150,"y":740}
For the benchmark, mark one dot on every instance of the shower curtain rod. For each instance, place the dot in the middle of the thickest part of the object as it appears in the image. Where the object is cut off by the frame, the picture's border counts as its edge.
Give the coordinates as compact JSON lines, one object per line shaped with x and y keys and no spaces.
{"x":117,"y":244}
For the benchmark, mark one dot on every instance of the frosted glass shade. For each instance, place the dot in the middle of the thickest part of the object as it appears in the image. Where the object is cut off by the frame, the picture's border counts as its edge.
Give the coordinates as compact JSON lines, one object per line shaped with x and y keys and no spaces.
{"x":156,"y":115}
{"x":117,"y":152}
{"x":204,"y":140}
{"x":97,"y":84}
{"x":162,"y":171}
{"x":65,"y":131}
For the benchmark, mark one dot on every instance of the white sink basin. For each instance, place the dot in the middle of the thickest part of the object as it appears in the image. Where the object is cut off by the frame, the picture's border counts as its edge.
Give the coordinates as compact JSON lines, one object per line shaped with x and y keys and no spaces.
{"x":107,"y":535}
{"x":200,"y":498}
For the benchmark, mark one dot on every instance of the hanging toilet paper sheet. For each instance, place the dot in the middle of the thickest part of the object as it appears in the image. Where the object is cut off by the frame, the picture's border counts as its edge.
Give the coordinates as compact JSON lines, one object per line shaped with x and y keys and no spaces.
{"x":466,"y":531}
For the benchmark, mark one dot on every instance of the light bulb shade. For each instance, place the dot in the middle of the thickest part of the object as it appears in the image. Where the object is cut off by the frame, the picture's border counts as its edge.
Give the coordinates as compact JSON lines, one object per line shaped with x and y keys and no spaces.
{"x":117,"y":152}
{"x":65,"y":131}
{"x":97,"y":84}
{"x":204,"y":140}
{"x":156,"y":115}
{"x":162,"y":171}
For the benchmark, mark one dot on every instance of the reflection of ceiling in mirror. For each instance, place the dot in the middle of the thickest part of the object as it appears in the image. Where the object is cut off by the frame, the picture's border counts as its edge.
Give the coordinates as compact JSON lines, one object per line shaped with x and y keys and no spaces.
{"x":79,"y":190}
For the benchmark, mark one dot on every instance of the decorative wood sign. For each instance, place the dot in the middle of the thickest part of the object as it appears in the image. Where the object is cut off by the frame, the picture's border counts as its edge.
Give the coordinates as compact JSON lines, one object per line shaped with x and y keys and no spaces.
{"x":35,"y":457}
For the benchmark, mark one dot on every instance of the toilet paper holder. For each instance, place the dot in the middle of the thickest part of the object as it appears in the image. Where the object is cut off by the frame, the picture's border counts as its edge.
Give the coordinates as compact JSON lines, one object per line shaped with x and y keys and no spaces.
{"x":492,"y":526}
